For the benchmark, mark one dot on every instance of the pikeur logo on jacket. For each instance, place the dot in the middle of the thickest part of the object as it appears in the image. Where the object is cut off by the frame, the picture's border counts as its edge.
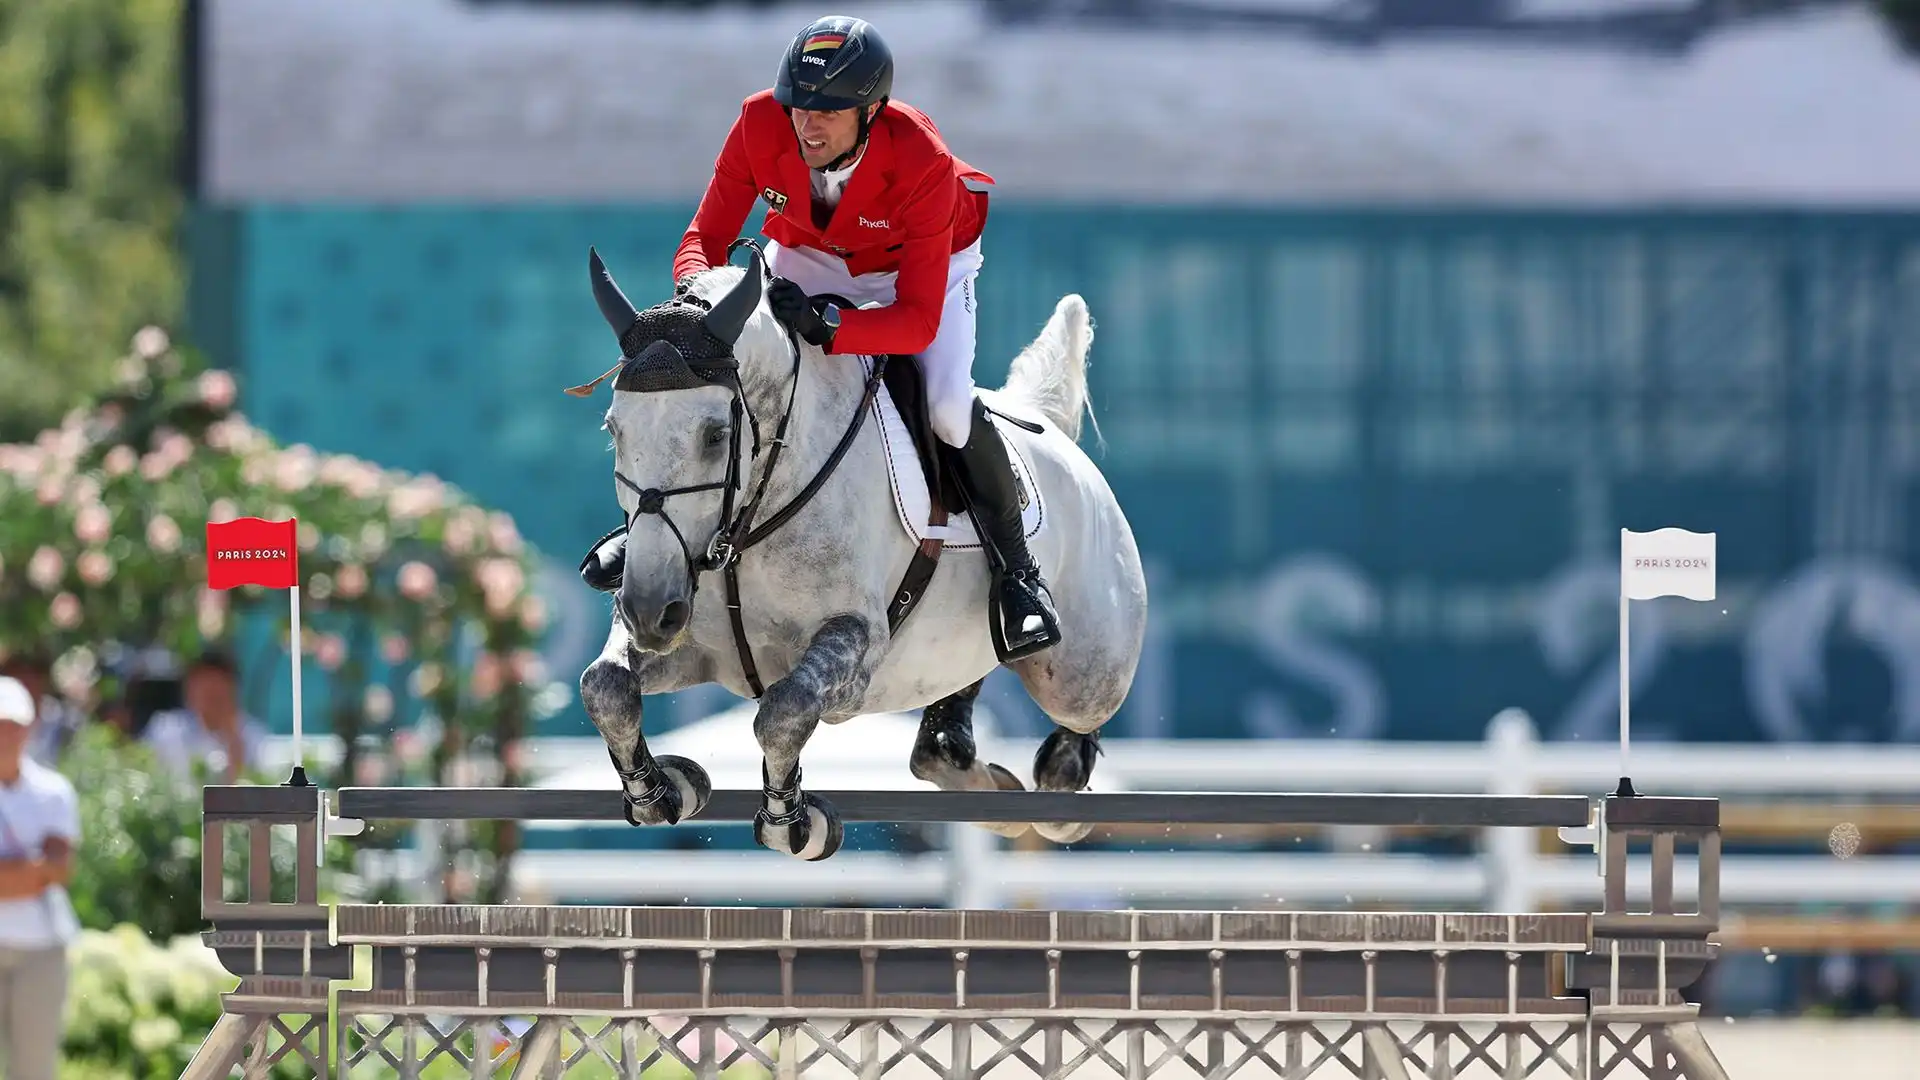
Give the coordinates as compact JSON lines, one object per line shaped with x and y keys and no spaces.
{"x":906,"y":209}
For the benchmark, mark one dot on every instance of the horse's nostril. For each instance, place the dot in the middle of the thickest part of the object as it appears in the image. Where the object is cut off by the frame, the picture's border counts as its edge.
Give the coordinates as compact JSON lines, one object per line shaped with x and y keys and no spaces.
{"x":673,"y":618}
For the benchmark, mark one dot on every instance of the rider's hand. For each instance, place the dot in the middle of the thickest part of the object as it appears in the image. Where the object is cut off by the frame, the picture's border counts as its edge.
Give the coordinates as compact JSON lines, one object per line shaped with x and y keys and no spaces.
{"x":791,"y":306}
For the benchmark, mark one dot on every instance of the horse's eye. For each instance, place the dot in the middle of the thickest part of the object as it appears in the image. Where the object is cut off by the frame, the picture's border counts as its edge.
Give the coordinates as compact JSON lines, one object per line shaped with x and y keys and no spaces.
{"x":717,"y":435}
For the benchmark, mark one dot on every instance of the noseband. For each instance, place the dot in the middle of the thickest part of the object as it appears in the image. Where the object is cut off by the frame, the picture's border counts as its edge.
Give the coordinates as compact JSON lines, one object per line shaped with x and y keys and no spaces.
{"x":736,"y":533}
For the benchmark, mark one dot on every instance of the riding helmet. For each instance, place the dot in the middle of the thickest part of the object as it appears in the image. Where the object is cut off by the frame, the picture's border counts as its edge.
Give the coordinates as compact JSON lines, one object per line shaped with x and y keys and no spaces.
{"x":837,"y":62}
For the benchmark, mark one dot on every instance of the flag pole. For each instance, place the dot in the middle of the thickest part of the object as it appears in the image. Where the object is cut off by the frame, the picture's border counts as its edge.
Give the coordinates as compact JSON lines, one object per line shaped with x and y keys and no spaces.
{"x":1625,"y":789}
{"x":299,"y":777}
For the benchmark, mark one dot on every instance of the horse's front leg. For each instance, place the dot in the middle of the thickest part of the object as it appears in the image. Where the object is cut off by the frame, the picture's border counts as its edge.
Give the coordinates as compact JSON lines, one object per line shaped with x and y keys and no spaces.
{"x":657,"y":791}
{"x":830,"y":679}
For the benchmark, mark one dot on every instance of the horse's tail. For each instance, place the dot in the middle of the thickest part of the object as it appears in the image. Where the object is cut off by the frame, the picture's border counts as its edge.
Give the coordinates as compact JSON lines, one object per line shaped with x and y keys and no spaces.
{"x":1051,"y":372}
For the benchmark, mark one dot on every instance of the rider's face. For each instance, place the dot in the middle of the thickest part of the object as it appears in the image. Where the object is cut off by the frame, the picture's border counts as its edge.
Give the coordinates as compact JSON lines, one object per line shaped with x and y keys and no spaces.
{"x":825,"y":135}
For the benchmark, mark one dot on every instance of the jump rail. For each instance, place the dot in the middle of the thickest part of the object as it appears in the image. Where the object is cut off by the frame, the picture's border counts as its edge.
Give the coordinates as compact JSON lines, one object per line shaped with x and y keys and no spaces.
{"x":924,"y":807}
{"x":812,"y":991}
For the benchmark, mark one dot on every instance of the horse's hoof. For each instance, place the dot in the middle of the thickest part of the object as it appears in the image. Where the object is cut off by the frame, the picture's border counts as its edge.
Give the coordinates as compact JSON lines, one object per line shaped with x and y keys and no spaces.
{"x":813,"y":835}
{"x":684,"y":793}
{"x":690,"y":782}
{"x":664,"y":810}
{"x":1062,"y":833}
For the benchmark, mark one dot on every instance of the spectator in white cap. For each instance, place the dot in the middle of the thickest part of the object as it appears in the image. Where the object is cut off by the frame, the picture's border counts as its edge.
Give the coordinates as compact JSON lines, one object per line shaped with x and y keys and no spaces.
{"x":39,"y":827}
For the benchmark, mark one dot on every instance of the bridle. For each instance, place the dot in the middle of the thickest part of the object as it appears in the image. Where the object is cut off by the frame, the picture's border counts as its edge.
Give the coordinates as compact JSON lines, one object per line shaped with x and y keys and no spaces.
{"x":736,"y":533}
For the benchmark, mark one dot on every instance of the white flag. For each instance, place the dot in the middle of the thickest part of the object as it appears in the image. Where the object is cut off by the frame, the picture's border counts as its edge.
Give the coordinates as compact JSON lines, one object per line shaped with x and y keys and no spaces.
{"x":1666,"y":562}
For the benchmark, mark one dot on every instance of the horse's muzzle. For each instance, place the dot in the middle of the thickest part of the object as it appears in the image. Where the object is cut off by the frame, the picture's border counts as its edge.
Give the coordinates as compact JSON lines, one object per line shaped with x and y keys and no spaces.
{"x":653,"y":623}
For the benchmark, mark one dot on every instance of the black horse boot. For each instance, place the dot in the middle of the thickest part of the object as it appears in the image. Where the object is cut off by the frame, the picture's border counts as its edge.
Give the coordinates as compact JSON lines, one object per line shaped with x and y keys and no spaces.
{"x":1019,"y":606}
{"x":603,"y":565}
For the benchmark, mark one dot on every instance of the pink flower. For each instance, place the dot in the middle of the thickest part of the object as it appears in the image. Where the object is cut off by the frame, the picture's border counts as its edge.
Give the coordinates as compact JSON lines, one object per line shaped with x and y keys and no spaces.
{"x":50,"y":491}
{"x":222,"y":510}
{"x":94,"y":567}
{"x":163,"y":536}
{"x":331,"y":652}
{"x":363,"y":482}
{"x":502,"y":534}
{"x":533,"y":613}
{"x":373,"y":539}
{"x":217,"y":390}
{"x":175,"y":447}
{"x":211,"y":612}
{"x":293,"y":472}
{"x":460,"y":534}
{"x":309,"y":535}
{"x":93,"y":524}
{"x":501,"y":581}
{"x":527,"y":667}
{"x":150,"y":342}
{"x":417,"y":580}
{"x":85,"y":489}
{"x":487,"y":674}
{"x":45,"y":568}
{"x":65,"y":611}
{"x":120,"y":460}
{"x":395,"y":649}
{"x":351,"y":581}
{"x":416,"y":499}
{"x":157,"y":467}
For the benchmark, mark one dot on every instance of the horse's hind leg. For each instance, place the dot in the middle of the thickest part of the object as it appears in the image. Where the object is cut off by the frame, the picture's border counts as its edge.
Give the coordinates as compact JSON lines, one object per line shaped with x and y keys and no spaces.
{"x":943,"y":754}
{"x":830,"y":679}
{"x":657,"y":791}
{"x":1080,"y":684}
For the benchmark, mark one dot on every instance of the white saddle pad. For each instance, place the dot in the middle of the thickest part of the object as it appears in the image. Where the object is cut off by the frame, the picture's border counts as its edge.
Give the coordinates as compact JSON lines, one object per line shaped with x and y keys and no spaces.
{"x":909,"y":482}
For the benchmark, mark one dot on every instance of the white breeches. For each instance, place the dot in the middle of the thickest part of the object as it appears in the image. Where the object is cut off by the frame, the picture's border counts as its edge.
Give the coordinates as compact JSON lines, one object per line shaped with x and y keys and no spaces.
{"x":947,"y":363}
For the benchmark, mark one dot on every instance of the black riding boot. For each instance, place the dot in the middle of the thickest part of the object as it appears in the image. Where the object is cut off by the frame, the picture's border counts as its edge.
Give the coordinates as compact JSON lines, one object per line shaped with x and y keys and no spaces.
{"x":602,"y":567}
{"x":1019,"y":607}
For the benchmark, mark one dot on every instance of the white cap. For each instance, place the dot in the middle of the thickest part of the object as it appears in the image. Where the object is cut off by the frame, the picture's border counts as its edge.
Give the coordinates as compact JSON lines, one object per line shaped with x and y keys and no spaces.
{"x":16,"y":702}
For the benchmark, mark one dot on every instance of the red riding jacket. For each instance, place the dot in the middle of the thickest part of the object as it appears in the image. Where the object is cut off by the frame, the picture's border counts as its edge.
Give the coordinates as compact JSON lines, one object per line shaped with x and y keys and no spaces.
{"x":906,"y":208}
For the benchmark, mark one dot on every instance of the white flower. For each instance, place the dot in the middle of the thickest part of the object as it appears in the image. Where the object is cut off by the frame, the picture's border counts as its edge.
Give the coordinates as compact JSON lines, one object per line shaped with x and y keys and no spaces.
{"x":379,"y":704}
{"x":149,"y":342}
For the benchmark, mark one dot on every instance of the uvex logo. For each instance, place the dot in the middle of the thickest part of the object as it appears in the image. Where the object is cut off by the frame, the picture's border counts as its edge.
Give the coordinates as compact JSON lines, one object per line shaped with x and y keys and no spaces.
{"x":881,"y":224}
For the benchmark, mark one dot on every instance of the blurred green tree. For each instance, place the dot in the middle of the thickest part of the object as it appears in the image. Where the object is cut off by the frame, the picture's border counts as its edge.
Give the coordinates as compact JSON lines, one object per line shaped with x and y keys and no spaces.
{"x":90,"y":200}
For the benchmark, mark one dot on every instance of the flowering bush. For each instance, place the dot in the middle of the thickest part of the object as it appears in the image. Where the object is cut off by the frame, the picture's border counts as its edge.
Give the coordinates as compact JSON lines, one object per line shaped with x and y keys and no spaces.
{"x":141,"y":1008}
{"x":415,"y":601}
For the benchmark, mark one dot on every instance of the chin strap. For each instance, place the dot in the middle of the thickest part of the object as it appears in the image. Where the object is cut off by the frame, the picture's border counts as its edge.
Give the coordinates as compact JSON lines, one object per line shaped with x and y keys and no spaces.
{"x":859,"y":140}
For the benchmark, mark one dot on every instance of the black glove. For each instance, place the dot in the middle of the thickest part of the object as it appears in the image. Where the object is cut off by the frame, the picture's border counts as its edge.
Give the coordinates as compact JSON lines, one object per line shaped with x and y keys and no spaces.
{"x":791,"y":306}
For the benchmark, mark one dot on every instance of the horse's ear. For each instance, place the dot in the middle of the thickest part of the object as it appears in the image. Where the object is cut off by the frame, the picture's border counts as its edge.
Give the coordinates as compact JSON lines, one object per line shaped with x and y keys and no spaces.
{"x":614,"y":305}
{"x":729,"y":315}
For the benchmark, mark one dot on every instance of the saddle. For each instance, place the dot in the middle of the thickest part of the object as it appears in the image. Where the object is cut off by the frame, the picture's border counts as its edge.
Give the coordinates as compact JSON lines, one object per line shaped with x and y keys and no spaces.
{"x":939,"y":463}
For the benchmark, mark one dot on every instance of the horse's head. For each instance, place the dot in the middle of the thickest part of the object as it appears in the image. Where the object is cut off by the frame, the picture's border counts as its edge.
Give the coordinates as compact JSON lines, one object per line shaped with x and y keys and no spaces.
{"x":680,"y":455}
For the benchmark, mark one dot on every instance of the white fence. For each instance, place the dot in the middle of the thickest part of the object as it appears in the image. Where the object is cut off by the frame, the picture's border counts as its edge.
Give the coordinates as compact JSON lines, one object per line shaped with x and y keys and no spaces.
{"x":1509,"y":872}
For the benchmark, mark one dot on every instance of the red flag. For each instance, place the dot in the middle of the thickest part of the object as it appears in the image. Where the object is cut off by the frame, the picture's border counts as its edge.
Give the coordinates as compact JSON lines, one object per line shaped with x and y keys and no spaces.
{"x":252,"y":551}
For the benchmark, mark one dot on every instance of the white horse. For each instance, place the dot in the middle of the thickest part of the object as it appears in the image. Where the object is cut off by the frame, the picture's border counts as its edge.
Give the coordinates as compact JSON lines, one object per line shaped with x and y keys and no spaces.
{"x":742,"y":452}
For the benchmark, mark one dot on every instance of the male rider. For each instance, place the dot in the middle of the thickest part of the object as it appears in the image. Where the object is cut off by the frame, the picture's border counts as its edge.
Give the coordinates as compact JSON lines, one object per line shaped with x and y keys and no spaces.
{"x":865,"y":201}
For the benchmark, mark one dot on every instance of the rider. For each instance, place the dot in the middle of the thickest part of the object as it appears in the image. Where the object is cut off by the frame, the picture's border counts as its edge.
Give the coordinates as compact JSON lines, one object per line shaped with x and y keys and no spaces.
{"x":866,"y":202}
